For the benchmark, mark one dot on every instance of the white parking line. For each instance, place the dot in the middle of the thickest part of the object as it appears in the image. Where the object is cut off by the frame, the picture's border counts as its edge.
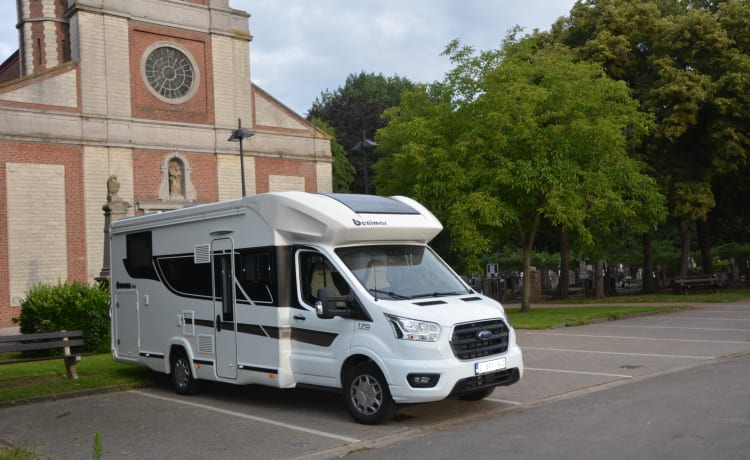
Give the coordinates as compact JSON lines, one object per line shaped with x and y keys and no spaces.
{"x":701,"y":318}
{"x":734,"y":342}
{"x":676,"y":327}
{"x":564,"y":371}
{"x":250,"y":417}
{"x":619,"y":353}
{"x":504,"y":401}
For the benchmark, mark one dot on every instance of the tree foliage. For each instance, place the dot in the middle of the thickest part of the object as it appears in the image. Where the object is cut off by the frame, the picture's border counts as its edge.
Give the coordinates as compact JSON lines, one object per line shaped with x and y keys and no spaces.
{"x":687,"y":63}
{"x":343,"y":170}
{"x":516,"y":136}
{"x":356,"y":109}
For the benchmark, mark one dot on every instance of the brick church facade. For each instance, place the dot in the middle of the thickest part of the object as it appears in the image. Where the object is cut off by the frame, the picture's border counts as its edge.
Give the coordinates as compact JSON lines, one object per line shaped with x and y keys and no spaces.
{"x":148,"y":91}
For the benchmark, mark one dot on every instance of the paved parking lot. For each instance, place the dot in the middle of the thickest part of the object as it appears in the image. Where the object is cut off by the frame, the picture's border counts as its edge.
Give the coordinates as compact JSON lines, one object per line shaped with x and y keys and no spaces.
{"x":562,"y":360}
{"x":256,"y":422}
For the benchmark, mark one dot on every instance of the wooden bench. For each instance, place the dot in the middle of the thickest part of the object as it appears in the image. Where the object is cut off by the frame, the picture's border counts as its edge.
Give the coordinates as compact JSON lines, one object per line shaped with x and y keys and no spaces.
{"x":685,"y":284}
{"x":44,"y":341}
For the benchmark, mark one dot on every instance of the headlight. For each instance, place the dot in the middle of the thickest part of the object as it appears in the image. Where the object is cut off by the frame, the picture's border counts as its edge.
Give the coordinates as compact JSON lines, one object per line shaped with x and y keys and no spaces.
{"x":412,"y":329}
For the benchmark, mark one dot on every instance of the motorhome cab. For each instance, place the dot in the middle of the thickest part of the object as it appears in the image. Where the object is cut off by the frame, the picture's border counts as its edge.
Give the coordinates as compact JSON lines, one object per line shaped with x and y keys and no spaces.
{"x":296,"y":289}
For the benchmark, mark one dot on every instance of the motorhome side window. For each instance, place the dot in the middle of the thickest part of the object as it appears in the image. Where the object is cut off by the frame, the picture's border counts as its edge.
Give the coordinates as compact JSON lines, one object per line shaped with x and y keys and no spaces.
{"x":184,"y":277}
{"x":315,"y":272}
{"x":224,"y":283}
{"x":254,"y":271}
{"x":138,"y":251}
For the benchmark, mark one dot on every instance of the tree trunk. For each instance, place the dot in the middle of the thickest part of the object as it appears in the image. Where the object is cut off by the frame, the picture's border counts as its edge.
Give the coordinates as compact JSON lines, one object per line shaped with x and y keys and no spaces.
{"x":526,"y":291}
{"x":563,"y":283}
{"x":599,"y":278}
{"x":527,"y":237}
{"x":684,"y":248}
{"x":649,"y":283}
{"x":704,"y":242}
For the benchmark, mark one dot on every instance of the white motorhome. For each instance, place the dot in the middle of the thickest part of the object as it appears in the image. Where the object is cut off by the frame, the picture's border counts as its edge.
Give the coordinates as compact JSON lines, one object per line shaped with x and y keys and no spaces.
{"x":296,"y":289}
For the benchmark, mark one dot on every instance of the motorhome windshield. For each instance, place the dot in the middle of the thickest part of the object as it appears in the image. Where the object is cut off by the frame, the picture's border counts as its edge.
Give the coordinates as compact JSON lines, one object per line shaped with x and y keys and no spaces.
{"x":398,"y":272}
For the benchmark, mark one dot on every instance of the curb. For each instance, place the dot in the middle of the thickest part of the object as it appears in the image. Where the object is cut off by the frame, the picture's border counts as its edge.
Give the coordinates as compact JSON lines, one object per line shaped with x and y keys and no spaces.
{"x":68,"y":395}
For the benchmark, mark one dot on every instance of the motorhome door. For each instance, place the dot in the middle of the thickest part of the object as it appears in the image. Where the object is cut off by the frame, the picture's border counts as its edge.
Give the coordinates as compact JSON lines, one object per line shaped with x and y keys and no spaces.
{"x":225,"y":329}
{"x":126,"y":317}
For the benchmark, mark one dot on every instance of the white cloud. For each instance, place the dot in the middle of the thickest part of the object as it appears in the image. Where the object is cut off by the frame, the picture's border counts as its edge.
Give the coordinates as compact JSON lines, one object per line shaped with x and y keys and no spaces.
{"x":8,"y":32}
{"x":303,"y":47}
{"x":342,"y":37}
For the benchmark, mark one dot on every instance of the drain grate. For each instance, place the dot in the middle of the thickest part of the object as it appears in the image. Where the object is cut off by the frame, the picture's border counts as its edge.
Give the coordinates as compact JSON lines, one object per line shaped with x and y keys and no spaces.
{"x":630,"y":366}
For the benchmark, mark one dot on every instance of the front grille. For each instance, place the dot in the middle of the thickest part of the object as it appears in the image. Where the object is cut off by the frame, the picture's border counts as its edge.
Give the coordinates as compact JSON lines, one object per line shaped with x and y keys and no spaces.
{"x":479,"y":339}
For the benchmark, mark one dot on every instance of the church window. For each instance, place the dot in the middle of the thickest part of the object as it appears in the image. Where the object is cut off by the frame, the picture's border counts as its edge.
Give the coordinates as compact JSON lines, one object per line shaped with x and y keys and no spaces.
{"x":170,"y":73}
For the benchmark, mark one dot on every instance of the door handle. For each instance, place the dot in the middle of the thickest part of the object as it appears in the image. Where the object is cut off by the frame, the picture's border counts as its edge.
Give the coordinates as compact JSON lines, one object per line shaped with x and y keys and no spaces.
{"x":299,"y":317}
{"x":218,"y":323}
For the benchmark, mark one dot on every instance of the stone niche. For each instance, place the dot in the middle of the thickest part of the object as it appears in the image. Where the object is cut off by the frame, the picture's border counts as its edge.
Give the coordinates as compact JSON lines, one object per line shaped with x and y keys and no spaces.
{"x":176,"y":189}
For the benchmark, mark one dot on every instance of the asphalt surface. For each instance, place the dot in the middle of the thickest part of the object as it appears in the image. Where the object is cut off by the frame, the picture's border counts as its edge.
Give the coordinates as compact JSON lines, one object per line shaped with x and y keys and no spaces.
{"x":665,"y":386}
{"x":698,"y":413}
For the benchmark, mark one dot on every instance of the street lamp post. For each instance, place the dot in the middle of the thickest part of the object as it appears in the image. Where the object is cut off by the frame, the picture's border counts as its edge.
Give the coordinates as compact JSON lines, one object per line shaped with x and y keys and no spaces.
{"x":364,"y":145}
{"x":238,"y":135}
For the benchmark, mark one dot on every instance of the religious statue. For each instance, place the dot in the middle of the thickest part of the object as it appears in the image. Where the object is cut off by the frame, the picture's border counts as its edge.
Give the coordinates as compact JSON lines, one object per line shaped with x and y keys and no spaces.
{"x":175,"y":178}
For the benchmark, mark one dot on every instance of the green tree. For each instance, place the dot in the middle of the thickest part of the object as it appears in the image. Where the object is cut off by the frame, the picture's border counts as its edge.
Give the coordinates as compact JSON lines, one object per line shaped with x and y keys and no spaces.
{"x":518,"y":136}
{"x":356,"y":109}
{"x":687,"y":63}
{"x":343,"y":171}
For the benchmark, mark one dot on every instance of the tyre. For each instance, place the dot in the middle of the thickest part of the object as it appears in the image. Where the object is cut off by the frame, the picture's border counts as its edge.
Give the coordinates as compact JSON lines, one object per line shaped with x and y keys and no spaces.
{"x":477,"y":395}
{"x":182,"y":378}
{"x":366,"y":394}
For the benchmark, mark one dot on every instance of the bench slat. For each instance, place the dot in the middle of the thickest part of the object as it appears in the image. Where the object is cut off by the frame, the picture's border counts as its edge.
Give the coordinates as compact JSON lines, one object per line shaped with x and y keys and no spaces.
{"x":36,"y":358}
{"x":40,"y":336}
{"x":18,"y":346}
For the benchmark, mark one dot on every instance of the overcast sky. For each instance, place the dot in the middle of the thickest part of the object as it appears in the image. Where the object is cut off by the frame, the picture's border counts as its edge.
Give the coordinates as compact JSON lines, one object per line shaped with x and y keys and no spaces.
{"x":303,"y":47}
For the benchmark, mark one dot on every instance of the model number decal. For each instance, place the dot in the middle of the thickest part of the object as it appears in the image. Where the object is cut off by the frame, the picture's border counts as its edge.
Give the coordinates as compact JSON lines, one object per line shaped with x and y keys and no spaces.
{"x":364,"y":326}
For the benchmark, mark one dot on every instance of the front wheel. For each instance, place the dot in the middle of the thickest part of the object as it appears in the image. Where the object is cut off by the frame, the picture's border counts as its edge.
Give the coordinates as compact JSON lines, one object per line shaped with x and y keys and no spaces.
{"x":182,"y":378}
{"x":366,"y":394}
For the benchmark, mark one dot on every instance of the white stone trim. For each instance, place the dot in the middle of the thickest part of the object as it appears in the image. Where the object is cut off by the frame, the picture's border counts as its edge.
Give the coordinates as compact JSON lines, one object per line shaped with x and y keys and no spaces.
{"x":277,"y":183}
{"x":37,"y":227}
{"x":98,"y":164}
{"x":229,"y":177}
{"x":189,"y":194}
{"x":50,"y":44}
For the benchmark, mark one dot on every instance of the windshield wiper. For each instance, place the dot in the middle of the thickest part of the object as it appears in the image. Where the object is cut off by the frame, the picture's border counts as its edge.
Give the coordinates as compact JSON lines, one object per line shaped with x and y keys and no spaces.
{"x":435,"y":294}
{"x":388,"y":293}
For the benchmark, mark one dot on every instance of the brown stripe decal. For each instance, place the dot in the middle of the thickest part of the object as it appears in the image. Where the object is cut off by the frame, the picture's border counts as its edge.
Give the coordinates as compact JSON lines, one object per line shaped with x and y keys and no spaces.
{"x":321,"y":339}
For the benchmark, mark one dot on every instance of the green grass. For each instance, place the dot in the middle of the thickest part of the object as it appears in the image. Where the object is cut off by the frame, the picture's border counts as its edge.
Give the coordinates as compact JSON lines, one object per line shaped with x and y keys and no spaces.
{"x":550,"y":317}
{"x":17,"y":453}
{"x":43,"y":378}
{"x":576,"y":312}
{"x":699,"y":296}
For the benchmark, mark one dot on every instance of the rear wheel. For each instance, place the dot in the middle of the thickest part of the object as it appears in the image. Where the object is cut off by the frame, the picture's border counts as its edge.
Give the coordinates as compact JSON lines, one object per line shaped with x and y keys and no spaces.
{"x":477,"y":395}
{"x":182,"y":378}
{"x":366,"y":394}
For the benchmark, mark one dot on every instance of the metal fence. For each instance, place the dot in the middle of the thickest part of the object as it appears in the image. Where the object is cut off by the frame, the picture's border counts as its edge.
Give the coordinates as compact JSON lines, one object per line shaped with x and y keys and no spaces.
{"x":618,"y":280}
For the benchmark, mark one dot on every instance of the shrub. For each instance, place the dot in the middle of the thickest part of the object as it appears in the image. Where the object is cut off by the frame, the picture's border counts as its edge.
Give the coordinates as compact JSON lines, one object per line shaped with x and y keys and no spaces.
{"x":68,"y":306}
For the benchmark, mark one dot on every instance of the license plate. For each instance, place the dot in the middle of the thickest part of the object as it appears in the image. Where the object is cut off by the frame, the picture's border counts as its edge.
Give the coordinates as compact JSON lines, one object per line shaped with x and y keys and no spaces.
{"x":489,"y":366}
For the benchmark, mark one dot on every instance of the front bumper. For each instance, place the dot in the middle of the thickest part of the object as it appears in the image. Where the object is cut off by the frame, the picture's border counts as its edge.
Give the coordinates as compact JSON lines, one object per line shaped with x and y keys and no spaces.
{"x":494,"y":379}
{"x":456,"y":377}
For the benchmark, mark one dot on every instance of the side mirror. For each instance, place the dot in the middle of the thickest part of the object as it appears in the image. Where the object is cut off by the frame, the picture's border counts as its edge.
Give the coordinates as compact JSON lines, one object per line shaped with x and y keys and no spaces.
{"x":330,"y":305}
